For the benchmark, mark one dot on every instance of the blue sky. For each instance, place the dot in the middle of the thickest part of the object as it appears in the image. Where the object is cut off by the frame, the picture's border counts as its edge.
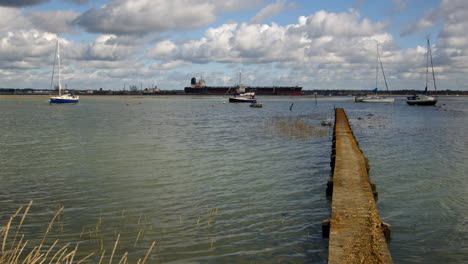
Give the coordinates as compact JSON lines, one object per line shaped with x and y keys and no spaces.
{"x":315,"y":44}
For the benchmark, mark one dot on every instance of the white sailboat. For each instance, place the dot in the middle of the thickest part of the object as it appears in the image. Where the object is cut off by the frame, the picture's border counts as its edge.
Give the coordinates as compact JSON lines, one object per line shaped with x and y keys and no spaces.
{"x":375,"y":98}
{"x":62,"y":97}
{"x":425,"y":99}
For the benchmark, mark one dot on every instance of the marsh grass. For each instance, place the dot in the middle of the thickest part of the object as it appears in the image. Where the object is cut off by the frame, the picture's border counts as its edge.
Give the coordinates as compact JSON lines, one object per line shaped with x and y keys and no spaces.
{"x":15,"y":248}
{"x":298,"y":127}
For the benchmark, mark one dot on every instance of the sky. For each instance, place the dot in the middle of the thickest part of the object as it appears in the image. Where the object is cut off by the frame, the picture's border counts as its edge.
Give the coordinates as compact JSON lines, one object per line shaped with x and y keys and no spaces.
{"x":112,"y":44}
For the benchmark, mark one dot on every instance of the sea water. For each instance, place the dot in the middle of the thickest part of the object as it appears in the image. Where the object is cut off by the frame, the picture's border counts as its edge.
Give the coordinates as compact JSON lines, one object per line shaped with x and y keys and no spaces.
{"x":214,"y":182}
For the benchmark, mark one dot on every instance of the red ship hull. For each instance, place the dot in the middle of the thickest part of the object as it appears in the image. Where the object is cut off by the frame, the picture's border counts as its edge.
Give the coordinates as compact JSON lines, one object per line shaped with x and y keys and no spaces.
{"x":222,"y":90}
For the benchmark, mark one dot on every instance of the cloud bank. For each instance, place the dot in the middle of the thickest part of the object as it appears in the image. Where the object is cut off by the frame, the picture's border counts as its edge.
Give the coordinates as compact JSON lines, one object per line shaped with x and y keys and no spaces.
{"x":145,"y":16}
{"x":320,"y":50}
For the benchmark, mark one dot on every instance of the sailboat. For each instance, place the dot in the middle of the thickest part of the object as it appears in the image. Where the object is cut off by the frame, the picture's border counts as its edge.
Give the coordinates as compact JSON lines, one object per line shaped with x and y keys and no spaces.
{"x":62,"y":97}
{"x":376,"y":98}
{"x":425,"y":99}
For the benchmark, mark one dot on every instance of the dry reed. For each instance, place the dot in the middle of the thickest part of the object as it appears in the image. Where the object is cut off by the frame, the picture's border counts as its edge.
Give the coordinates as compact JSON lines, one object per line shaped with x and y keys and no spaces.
{"x":296,"y":128}
{"x":15,"y":251}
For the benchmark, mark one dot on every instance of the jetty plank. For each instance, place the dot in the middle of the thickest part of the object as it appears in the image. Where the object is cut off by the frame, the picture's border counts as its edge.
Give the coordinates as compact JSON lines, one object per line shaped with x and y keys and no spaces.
{"x":356,"y":232}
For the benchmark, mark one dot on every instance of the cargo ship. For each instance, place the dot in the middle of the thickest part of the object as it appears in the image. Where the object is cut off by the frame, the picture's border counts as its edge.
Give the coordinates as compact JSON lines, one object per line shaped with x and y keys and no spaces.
{"x":199,"y":88}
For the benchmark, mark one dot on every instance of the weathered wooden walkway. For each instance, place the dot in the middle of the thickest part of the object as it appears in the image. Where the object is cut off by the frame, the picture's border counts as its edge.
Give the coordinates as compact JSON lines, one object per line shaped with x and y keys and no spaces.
{"x":356,"y":233}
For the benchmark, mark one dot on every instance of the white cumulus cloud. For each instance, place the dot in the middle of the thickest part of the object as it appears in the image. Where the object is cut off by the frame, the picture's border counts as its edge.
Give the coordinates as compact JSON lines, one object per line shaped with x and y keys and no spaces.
{"x":162,"y":49}
{"x":269,"y":11}
{"x":319,"y":38}
{"x":145,"y":16}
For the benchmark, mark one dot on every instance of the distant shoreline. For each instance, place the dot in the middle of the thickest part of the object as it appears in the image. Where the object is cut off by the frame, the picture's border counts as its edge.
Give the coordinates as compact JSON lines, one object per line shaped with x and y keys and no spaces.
{"x":162,"y":93}
{"x":18,"y":96}
{"x":90,"y":96}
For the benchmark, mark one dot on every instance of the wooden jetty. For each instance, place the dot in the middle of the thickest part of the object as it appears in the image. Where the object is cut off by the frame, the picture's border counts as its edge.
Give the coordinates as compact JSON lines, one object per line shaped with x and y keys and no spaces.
{"x":356,"y":233}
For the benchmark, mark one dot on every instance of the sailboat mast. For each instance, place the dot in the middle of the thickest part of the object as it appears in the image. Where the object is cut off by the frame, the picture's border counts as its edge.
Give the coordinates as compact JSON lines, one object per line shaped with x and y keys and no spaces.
{"x":432,"y":65}
{"x":427,"y":64}
{"x":377,"y":67}
{"x":58,"y":64}
{"x":383,"y":73}
{"x":53,"y":72}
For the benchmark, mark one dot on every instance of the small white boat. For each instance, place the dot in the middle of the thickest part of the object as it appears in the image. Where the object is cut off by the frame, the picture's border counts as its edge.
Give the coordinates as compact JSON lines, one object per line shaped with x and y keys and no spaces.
{"x":424,"y":99}
{"x":61,"y":98}
{"x":240,"y":96}
{"x":243,"y":98}
{"x":374,"y":98}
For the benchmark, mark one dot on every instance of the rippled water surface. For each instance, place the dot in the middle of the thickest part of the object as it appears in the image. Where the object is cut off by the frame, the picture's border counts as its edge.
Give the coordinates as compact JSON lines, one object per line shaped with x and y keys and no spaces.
{"x":225,"y":183}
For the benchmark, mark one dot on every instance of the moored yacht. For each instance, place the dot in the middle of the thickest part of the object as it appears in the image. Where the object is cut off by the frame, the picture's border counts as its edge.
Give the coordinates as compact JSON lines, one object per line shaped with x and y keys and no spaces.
{"x":425,"y":99}
{"x":375,"y":98}
{"x":61,"y":98}
{"x":421,"y":99}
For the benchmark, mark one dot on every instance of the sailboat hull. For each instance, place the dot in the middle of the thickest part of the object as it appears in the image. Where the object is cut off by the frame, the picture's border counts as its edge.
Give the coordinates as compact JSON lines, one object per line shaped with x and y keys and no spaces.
{"x":240,"y":100}
{"x":421,"y":102}
{"x":64,"y":99}
{"x":421,"y":99}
